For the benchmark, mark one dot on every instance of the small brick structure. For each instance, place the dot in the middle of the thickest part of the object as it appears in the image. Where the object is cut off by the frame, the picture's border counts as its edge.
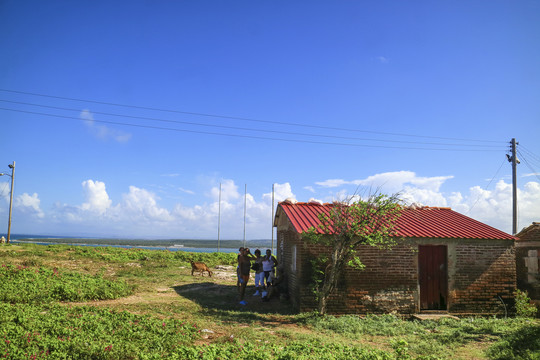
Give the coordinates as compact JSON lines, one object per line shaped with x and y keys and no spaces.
{"x":444,"y":261}
{"x":528,"y":260}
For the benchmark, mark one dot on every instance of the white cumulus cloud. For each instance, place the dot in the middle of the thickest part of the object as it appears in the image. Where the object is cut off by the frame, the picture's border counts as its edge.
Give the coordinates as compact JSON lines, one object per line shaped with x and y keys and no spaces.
{"x":140,"y":214}
{"x":281,"y":192}
{"x":29,"y":204}
{"x":492,"y":206}
{"x":142,"y":205}
{"x":229,"y":191}
{"x":97,"y":199}
{"x":390,"y":182}
{"x":102,"y":131}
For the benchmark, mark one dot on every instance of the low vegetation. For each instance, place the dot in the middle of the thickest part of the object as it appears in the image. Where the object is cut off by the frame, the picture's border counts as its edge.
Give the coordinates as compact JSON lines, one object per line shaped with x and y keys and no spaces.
{"x":70,"y":302}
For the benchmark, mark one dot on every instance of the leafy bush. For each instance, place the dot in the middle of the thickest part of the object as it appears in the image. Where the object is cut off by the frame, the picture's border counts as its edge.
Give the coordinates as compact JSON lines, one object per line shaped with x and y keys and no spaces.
{"x":524,"y":308}
{"x":522,"y":344}
{"x":294,"y":350}
{"x":432,"y":339}
{"x":113,"y":254}
{"x":59,"y":332}
{"x":22,"y":284}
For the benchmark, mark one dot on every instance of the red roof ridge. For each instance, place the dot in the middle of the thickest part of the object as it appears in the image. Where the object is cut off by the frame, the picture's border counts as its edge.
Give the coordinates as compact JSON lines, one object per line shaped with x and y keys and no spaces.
{"x":317,"y":203}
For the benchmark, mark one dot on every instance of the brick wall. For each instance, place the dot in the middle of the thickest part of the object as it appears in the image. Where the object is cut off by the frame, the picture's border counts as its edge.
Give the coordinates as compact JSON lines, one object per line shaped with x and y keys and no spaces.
{"x":528,"y":260}
{"x":483,"y":277}
{"x":388,"y":283}
{"x":531,"y":233}
{"x":286,"y":242}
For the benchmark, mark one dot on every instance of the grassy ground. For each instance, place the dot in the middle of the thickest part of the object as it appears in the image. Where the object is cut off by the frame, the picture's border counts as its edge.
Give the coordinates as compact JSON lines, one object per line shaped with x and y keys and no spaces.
{"x":199,"y":316}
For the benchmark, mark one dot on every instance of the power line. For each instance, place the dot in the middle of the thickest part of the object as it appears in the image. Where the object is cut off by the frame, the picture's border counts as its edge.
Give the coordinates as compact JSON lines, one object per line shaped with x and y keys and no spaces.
{"x":487,"y":186}
{"x":3,"y":192}
{"x":529,"y":152}
{"x":243,"y":128}
{"x":242,"y":118}
{"x":238,"y":135}
{"x":534,"y":172}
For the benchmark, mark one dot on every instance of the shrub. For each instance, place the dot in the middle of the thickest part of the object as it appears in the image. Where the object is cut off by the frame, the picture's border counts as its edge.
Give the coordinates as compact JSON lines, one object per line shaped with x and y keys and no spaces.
{"x":60,"y":332}
{"x":22,"y":284}
{"x":524,"y":308}
{"x":523,"y":343}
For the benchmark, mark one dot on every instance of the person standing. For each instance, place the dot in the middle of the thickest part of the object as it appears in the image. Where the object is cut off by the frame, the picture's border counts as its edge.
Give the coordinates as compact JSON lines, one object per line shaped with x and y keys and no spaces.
{"x":269,"y":264}
{"x":244,"y":267}
{"x":259,"y":273}
{"x":238,"y":269}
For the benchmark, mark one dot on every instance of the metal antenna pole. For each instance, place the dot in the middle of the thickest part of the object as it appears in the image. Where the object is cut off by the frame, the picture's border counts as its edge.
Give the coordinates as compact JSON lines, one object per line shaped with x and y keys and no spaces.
{"x":219,"y":217}
{"x":245,"y":199}
{"x":12,"y":166}
{"x":272,"y":218}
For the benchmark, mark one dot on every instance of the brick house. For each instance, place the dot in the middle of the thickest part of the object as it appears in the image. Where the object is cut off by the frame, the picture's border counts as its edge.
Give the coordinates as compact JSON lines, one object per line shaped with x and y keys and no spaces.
{"x":528,"y":260}
{"x":443,"y":261}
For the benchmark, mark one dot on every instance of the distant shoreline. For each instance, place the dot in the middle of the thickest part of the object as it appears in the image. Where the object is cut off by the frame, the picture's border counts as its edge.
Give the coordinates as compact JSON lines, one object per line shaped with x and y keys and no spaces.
{"x":45,"y":242}
{"x":172,"y":243}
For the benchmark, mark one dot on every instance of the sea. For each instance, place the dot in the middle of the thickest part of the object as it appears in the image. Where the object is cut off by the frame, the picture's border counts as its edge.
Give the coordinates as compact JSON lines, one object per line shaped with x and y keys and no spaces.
{"x":42,"y":240}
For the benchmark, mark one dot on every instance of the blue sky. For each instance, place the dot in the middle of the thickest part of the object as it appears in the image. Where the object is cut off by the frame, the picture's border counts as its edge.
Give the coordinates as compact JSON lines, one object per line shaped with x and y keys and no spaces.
{"x":320,"y":98}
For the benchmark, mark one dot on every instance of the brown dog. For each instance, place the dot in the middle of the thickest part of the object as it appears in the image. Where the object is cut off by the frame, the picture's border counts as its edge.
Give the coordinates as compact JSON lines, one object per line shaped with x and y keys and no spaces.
{"x":201,"y":267}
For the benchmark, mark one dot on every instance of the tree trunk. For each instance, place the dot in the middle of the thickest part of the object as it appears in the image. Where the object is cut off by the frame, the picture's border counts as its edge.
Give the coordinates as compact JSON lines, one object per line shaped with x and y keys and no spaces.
{"x":331,"y":279}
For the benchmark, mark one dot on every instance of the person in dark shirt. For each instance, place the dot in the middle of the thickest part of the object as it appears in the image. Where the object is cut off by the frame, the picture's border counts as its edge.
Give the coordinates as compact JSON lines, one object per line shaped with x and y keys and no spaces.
{"x":244,"y":267}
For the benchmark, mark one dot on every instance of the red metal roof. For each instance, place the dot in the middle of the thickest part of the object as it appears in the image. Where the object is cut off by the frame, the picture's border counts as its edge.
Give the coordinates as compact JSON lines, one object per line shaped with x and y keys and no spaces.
{"x":419,"y":222}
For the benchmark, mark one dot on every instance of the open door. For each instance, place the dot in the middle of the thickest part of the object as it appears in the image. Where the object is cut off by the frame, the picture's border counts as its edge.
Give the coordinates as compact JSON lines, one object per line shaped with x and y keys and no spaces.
{"x":432,"y":267}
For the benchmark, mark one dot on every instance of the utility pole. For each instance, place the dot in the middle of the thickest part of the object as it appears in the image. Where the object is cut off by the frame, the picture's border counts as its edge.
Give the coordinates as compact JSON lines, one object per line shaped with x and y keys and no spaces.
{"x":273,"y":218}
{"x":219,"y":218}
{"x":245,"y":203}
{"x":513,"y":159}
{"x":12,"y":167}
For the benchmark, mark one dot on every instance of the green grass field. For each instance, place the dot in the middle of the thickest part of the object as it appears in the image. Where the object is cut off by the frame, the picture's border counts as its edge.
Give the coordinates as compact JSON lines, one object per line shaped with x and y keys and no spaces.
{"x":69,"y":302}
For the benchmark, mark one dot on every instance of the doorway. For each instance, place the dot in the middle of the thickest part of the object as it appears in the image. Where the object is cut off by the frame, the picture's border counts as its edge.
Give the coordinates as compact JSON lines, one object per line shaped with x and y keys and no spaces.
{"x":433,"y":278}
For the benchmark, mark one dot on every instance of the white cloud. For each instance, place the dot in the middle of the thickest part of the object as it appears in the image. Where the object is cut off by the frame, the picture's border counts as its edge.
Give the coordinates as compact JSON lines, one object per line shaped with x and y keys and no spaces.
{"x":493,"y":207}
{"x":28,"y":204}
{"x":281,"y":192}
{"x":102,"y":131}
{"x":97,"y":199}
{"x":332,"y":183}
{"x":229,"y":191}
{"x":141,"y":205}
{"x":138,"y":208}
{"x":390,"y":182}
{"x":383,"y":60}
{"x":186,"y":191}
{"x":139,"y":213}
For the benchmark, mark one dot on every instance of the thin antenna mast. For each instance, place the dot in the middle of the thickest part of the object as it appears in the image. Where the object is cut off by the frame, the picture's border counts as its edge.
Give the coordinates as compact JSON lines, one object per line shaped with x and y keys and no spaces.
{"x":245,"y":197}
{"x":219,"y":217}
{"x":272,"y":227}
{"x":12,"y":167}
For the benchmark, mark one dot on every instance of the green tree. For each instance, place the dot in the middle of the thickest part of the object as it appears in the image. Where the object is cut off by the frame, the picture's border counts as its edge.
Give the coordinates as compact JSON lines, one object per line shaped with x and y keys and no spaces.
{"x":347,"y":225}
